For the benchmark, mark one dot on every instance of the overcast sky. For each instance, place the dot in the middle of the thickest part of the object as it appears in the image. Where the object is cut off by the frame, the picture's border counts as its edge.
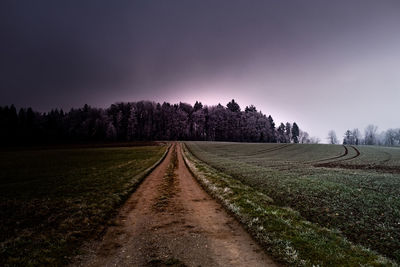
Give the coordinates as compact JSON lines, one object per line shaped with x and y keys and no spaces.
{"x":324,"y":64}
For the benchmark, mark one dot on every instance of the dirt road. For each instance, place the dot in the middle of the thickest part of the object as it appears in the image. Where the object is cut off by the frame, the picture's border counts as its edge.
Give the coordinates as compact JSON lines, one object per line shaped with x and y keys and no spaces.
{"x":170,"y":220}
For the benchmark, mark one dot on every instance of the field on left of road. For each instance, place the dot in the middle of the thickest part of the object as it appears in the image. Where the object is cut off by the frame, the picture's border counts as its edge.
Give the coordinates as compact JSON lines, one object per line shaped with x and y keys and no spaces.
{"x":51,"y":200}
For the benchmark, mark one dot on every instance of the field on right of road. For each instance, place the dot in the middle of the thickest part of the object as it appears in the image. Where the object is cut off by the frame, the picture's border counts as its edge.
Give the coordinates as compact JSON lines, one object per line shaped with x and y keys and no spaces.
{"x":352,"y":189}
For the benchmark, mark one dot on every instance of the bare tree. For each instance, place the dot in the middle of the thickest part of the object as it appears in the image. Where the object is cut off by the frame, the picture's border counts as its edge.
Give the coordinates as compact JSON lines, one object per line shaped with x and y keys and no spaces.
{"x":281,"y":133}
{"x":304,"y":137}
{"x":390,"y":137}
{"x":314,"y":140}
{"x":370,"y":134}
{"x":356,"y":136}
{"x":332,"y":138}
{"x":398,"y":136}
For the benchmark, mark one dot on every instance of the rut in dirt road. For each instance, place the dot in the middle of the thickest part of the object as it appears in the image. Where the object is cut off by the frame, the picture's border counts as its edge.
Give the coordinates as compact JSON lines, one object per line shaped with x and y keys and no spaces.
{"x":171,"y":220}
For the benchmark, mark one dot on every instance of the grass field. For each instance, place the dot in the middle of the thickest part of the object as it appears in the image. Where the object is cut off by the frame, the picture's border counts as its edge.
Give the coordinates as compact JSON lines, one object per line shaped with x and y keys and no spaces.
{"x":353,"y":190}
{"x":51,"y":200}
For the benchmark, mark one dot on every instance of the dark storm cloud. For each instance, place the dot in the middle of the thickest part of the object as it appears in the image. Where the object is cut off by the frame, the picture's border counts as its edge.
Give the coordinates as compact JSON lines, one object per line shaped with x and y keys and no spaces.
{"x":67,"y":45}
{"x":275,"y":54}
{"x":48,"y":46}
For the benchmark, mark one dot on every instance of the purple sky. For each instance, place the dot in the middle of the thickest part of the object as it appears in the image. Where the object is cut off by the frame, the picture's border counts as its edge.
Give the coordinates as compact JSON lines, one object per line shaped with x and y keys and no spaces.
{"x":324,"y":64}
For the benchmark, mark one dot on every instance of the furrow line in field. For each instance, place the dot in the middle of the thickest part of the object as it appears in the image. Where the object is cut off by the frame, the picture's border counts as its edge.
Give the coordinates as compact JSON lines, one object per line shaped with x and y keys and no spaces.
{"x":268,"y":150}
{"x":389,"y":157}
{"x":338,"y":162}
{"x":353,"y":157}
{"x":346,"y":151}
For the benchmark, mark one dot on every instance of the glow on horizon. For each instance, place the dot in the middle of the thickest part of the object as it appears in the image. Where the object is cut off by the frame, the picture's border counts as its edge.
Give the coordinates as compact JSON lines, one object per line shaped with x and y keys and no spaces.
{"x":326,"y":66}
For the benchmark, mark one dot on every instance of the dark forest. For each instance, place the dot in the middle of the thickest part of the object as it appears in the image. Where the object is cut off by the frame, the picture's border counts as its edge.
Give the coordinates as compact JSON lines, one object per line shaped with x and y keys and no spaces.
{"x":144,"y":120}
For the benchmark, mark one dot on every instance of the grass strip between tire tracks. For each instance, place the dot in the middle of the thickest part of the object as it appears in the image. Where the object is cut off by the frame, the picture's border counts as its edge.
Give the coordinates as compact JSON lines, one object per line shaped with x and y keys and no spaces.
{"x":168,"y":188}
{"x":282,"y":231}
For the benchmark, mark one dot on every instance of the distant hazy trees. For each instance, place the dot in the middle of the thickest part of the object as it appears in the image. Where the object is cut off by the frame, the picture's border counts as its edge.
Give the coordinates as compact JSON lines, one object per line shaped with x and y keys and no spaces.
{"x":356,"y":136}
{"x":391,"y":137}
{"x":145,"y":120}
{"x":352,"y":137}
{"x":304,"y":137}
{"x":370,"y":135}
{"x":314,"y":140}
{"x":332,"y":138}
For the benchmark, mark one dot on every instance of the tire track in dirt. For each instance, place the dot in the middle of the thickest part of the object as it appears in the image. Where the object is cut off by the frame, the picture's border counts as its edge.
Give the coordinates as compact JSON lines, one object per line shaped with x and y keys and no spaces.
{"x":379,"y":166}
{"x":357,"y":154}
{"x":338,"y":162}
{"x":346,"y":151}
{"x":389,"y":158}
{"x":188,"y":229}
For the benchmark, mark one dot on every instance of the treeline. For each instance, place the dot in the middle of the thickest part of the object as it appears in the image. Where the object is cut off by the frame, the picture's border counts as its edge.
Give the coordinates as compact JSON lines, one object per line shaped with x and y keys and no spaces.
{"x":370,"y":136}
{"x":145,"y":120}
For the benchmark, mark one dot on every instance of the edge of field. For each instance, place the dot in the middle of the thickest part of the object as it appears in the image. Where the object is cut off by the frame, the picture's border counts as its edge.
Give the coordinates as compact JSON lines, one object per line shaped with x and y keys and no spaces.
{"x":67,"y":251}
{"x":139,"y":178}
{"x":135,"y":183}
{"x":281,"y":231}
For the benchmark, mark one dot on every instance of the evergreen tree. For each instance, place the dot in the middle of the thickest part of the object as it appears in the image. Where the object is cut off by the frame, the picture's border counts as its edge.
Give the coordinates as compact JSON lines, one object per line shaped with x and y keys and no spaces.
{"x":288,"y":132}
{"x":197,"y":106}
{"x":233,"y":106}
{"x":272,"y":131}
{"x":250,"y":108}
{"x":295,"y":133}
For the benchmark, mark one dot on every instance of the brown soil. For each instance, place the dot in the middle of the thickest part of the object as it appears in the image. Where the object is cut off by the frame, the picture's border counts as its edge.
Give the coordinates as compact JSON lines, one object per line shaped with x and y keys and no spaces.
{"x":171,"y":221}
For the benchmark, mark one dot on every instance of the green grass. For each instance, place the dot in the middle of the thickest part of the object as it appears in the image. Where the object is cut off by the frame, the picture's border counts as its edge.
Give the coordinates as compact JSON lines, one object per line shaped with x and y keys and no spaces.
{"x":361,"y":204}
{"x":51,"y":200}
{"x":381,"y":156}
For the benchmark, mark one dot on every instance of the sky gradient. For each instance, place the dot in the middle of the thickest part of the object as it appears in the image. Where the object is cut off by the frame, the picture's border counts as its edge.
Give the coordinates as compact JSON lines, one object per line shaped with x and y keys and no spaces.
{"x":324,"y":64}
